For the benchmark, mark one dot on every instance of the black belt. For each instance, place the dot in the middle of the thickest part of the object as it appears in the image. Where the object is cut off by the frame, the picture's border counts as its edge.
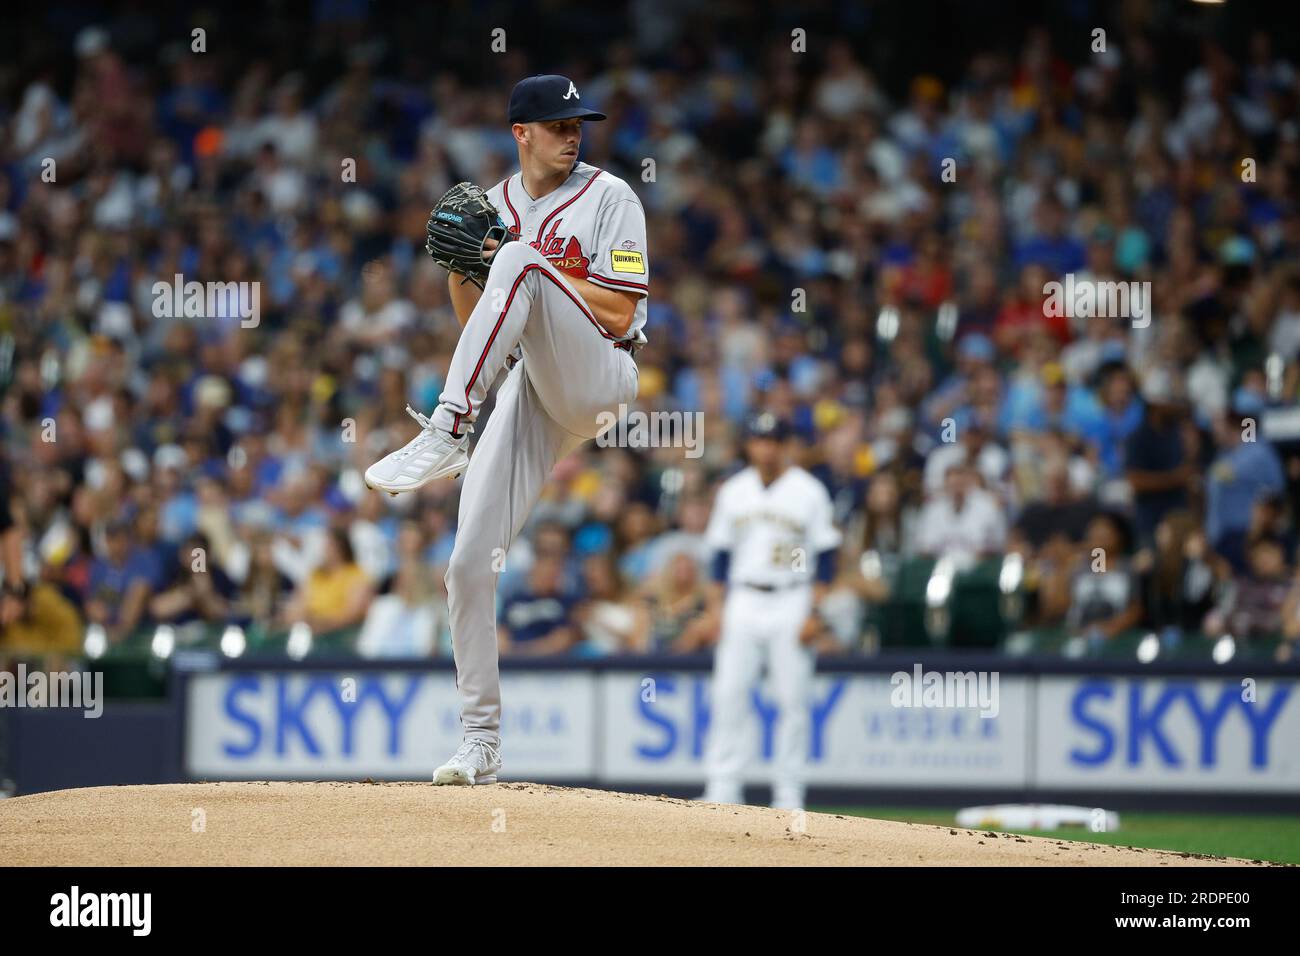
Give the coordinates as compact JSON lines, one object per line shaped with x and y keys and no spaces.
{"x":769,"y":588}
{"x":626,"y":346}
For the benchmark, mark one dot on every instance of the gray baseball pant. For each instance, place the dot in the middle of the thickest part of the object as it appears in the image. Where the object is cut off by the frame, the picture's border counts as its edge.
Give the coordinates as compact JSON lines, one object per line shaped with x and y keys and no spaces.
{"x":550,"y":403}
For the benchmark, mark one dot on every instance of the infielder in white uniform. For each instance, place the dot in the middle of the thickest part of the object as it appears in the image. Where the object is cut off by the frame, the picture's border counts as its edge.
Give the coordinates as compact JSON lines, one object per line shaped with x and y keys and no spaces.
{"x":774,"y":541}
{"x":565,"y":302}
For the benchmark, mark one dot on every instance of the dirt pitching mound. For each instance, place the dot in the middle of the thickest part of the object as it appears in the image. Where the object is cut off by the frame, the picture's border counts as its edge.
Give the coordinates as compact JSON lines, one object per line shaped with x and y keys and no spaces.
{"x":225,"y":824}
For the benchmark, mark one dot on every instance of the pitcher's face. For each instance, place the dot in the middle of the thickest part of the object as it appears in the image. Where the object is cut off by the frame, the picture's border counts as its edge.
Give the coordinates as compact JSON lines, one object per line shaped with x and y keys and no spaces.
{"x":553,"y":143}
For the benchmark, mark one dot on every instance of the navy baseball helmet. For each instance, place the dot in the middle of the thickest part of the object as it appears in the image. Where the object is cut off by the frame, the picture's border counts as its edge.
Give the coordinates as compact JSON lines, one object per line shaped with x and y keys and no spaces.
{"x":767,"y":425}
{"x":539,"y":99}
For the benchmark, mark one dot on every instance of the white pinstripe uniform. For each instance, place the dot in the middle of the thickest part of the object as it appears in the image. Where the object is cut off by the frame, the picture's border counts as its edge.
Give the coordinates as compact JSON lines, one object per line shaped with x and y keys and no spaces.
{"x":774,"y":534}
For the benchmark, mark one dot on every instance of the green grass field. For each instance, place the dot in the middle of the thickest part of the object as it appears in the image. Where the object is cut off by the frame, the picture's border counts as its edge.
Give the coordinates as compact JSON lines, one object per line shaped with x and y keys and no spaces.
{"x":1275,"y":838}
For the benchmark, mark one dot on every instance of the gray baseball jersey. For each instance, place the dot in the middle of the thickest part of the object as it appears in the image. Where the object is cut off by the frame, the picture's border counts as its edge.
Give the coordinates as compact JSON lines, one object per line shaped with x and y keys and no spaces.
{"x":571,"y":375}
{"x":592,"y":227}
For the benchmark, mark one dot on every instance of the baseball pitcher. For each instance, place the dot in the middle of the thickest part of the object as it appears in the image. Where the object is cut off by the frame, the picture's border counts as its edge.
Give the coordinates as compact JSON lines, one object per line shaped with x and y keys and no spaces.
{"x":549,"y":278}
{"x":774,"y":545}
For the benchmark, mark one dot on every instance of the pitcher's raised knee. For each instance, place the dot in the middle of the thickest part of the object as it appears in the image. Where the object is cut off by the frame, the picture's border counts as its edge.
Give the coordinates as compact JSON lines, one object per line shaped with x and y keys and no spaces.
{"x":512,"y":257}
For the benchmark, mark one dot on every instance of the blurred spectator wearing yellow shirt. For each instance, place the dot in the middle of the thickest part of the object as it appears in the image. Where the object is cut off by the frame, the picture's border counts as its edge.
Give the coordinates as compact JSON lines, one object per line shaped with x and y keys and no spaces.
{"x":35,"y":619}
{"x":337,"y":594}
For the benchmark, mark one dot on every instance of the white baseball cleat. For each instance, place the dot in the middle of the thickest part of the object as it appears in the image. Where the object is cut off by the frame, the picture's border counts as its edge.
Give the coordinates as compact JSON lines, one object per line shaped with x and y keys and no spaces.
{"x":475,"y":763}
{"x":430,"y":455}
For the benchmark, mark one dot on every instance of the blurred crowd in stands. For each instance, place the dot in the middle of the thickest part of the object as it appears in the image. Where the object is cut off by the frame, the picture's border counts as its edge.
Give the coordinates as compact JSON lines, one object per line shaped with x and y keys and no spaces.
{"x":870,"y":264}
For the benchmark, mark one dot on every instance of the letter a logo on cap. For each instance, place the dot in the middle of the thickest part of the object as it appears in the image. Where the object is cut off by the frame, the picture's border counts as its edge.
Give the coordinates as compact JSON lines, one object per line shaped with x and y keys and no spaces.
{"x":573,"y":92}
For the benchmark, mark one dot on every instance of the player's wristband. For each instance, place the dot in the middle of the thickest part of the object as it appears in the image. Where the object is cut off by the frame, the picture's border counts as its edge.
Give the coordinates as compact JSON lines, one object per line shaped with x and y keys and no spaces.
{"x":721,"y":566}
{"x":826,"y":561}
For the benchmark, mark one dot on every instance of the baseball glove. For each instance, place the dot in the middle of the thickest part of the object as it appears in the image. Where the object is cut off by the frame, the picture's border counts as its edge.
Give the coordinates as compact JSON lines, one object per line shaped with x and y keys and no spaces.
{"x":461,"y":222}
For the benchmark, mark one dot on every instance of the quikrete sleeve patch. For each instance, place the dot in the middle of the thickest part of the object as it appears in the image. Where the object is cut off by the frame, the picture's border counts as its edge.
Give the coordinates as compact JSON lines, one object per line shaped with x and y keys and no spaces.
{"x":623,"y":261}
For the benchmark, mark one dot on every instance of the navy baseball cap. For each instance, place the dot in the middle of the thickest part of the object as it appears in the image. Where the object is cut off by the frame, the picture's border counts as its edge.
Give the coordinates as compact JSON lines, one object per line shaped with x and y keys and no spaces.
{"x":538,"y":99}
{"x":767,"y":425}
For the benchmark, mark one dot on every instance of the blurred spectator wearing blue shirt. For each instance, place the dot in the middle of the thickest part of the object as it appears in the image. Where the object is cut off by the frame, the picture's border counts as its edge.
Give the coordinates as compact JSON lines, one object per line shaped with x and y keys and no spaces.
{"x":540,"y":620}
{"x":194,"y":590}
{"x":810,"y":162}
{"x":1158,"y":456}
{"x":1052,"y":406}
{"x":975,"y":353}
{"x":1051,"y":245}
{"x":1242,"y":472}
{"x":1118,"y":415}
{"x":121,"y":582}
